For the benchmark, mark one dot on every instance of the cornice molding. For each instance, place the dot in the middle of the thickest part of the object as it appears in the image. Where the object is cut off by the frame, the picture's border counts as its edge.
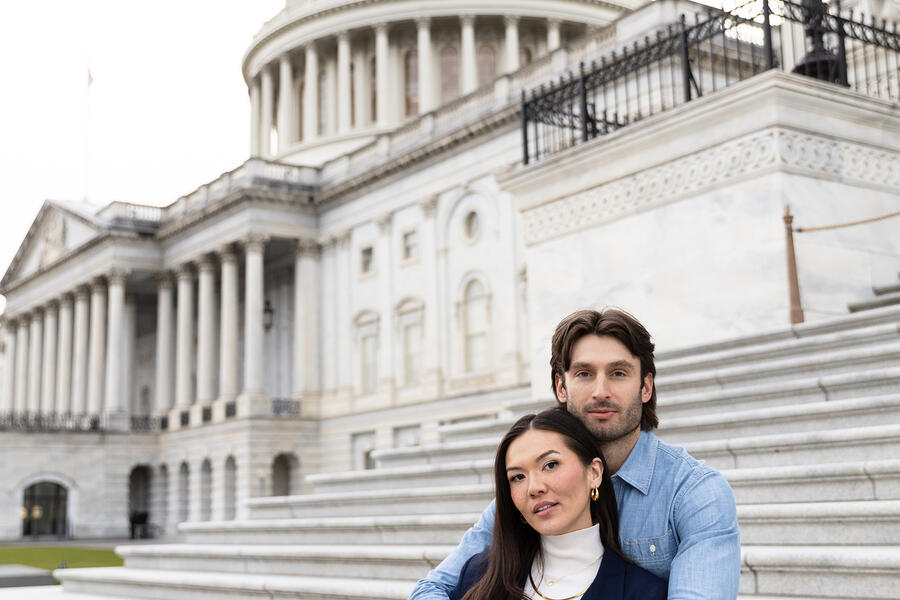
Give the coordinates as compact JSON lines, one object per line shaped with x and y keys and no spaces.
{"x":758,"y":153}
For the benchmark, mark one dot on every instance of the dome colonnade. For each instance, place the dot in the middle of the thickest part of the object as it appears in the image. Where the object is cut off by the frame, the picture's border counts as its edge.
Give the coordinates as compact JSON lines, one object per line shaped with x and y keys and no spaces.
{"x":324,"y":75}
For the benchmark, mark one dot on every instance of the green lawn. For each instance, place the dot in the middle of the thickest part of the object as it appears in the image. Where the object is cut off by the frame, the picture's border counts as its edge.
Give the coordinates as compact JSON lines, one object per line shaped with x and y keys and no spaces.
{"x":49,"y":557}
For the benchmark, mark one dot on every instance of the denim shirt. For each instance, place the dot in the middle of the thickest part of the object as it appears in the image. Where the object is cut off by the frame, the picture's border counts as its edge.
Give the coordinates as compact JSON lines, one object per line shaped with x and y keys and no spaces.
{"x":677,"y":519}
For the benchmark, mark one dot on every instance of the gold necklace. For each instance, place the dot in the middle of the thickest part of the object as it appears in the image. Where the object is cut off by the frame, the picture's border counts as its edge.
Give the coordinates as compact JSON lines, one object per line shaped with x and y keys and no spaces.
{"x":550,"y":581}
{"x":531,"y":579}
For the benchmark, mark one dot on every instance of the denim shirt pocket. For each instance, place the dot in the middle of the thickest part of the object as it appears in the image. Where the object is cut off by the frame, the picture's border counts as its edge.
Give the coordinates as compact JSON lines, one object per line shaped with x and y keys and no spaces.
{"x":650,"y":552}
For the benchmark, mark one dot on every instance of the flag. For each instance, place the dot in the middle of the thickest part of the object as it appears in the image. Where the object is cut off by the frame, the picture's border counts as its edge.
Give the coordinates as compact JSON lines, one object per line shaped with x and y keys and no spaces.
{"x":90,"y":77}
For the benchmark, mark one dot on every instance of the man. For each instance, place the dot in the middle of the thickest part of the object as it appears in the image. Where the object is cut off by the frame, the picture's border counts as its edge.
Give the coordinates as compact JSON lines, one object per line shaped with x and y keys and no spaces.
{"x":677,"y":516}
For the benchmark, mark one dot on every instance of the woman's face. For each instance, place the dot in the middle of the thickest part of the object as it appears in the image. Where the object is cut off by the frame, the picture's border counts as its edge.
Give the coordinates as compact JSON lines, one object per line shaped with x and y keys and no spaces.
{"x":549,"y":484}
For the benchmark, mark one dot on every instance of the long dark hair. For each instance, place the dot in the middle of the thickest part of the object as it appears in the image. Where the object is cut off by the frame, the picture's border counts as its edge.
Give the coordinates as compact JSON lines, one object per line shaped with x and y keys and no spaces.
{"x":515,"y":543}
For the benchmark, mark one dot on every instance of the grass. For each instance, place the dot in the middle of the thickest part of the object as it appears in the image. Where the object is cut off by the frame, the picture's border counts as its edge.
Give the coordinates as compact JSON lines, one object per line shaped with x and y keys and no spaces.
{"x":49,"y":557}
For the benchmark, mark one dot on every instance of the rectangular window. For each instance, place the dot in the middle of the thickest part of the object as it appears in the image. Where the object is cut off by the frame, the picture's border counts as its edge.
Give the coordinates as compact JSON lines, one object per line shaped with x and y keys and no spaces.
{"x":412,"y":346}
{"x":369,"y":361}
{"x":404,"y":437}
{"x":366,"y":257}
{"x":363,"y":444}
{"x":410,"y":245}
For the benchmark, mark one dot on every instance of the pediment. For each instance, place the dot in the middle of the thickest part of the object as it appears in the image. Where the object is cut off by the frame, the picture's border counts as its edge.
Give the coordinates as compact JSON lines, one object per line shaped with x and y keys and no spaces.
{"x":57,"y":230}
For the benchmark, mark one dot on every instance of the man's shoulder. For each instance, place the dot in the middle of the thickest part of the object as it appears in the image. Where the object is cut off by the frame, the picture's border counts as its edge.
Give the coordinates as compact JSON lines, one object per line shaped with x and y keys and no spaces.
{"x":675,"y":462}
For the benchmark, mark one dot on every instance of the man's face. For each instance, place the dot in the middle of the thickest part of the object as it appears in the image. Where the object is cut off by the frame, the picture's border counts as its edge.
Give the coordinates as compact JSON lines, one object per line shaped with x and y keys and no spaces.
{"x":603,"y":387}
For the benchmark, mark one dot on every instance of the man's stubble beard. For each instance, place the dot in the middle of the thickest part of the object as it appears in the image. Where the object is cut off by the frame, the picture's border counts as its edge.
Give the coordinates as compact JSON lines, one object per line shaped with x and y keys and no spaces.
{"x":625,"y":421}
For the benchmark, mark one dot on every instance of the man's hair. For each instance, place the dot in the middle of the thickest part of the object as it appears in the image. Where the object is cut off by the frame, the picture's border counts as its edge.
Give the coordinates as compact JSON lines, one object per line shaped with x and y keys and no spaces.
{"x":612,"y":322}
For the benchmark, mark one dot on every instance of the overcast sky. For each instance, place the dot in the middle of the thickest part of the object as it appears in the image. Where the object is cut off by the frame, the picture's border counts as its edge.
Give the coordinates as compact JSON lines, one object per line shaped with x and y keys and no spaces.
{"x":167,"y":110}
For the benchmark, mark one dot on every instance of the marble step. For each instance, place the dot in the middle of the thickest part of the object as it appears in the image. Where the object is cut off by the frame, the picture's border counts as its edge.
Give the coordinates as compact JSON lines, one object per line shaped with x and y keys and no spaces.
{"x":433,"y":529}
{"x":367,"y":562}
{"x":124,"y":582}
{"x":796,"y":347}
{"x":842,"y":481}
{"x":882,"y":355}
{"x":821,"y":523}
{"x":879,"y":301}
{"x":805,"y":447}
{"x":823,"y":572}
{"x":875,"y":316}
{"x":890,"y":288}
{"x":785,"y":418}
{"x":395,"y":501}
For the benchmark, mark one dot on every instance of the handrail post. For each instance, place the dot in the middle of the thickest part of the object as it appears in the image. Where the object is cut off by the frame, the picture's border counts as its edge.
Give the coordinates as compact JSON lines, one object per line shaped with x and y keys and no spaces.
{"x":685,"y":61}
{"x":796,"y":310}
{"x":767,"y":35}
{"x":842,"y":46}
{"x":524,"y":129}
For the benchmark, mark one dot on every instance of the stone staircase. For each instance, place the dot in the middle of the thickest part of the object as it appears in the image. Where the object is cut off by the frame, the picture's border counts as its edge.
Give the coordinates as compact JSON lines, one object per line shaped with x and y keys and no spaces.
{"x":804,"y":423}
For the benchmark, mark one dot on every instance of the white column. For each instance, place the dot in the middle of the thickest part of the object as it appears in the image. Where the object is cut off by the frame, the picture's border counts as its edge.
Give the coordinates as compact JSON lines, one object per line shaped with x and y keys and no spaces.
{"x":467,"y":63}
{"x":552,"y":34}
{"x":164,"y":344}
{"x":431,"y":345}
{"x":362,"y":104}
{"x":426,"y":79}
{"x":382,"y":101}
{"x":286,"y":107}
{"x":48,"y":385}
{"x":343,"y":81}
{"x":254,"y":118}
{"x":253,"y":319}
{"x":512,"y":43}
{"x":311,"y":94}
{"x":34,"y":361}
{"x":97,"y":351}
{"x":330,"y":122}
{"x":265,"y":119}
{"x":23,"y":332}
{"x":184,"y":355}
{"x":132,"y":400}
{"x":228,"y":327}
{"x":115,"y":404}
{"x":64,"y":357}
{"x":206,"y":324}
{"x":385,"y":292}
{"x":80,"y":352}
{"x":9,"y":384}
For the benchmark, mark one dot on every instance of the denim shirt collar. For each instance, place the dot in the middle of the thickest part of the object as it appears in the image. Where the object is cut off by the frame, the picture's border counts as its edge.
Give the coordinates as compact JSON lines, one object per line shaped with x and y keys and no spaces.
{"x":638,"y":468}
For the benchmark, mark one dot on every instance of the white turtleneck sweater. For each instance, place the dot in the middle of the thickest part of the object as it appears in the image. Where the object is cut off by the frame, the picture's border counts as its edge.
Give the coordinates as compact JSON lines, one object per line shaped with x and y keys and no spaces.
{"x":569,"y":560}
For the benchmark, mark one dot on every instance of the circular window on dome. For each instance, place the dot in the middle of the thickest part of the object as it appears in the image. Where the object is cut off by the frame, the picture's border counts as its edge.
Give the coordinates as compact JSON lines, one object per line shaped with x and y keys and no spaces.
{"x":473,"y":225}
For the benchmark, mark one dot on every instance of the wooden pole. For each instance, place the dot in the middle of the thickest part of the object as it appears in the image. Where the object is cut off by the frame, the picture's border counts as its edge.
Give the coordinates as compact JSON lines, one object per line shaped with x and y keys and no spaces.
{"x":796,"y":312}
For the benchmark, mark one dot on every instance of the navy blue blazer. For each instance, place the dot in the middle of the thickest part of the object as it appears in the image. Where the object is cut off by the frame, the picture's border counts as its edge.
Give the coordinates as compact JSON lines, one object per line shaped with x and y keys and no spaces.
{"x":615,"y":580}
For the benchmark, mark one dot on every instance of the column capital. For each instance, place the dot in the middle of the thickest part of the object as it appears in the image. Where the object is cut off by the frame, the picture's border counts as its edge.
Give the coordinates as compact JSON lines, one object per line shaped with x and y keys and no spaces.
{"x":82,"y":291}
{"x":185,"y":272}
{"x":24,"y":319}
{"x":206,"y":263}
{"x":429,"y":205}
{"x":555,"y":21}
{"x":511,"y":20}
{"x":37,"y":312}
{"x":65,"y":297}
{"x":467,"y":20}
{"x":311,"y":45}
{"x":384,"y":222}
{"x":227,"y":253}
{"x":254,"y":242}
{"x":116,"y":276}
{"x":98,"y":284}
{"x":342,"y":36}
{"x":423,"y":22}
{"x":51,"y":305}
{"x":164,"y":280}
{"x":307,"y":247}
{"x":381,"y":27}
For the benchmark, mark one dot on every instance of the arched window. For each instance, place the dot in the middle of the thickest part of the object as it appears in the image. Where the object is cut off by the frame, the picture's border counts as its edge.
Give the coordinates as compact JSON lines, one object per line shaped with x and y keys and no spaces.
{"x":323,"y":102}
{"x":285,"y":474}
{"x":44,"y":509}
{"x":487,"y":64}
{"x":139,"y":501}
{"x":205,"y":490}
{"x":449,"y":74}
{"x":411,"y":82}
{"x":230,"y":488}
{"x":524,"y":56}
{"x":184,"y":475}
{"x":475,"y":323}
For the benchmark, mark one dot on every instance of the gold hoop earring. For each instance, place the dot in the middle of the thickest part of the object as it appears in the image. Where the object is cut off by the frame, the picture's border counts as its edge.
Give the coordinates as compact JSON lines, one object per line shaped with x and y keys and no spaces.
{"x":595,"y":494}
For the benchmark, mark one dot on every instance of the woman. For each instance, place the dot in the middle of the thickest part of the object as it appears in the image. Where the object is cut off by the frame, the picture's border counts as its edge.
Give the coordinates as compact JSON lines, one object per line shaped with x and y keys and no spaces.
{"x":556,"y":532}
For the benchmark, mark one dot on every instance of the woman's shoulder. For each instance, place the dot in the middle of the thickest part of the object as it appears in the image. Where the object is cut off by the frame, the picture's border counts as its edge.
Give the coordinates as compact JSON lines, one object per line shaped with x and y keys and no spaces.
{"x":471,"y":572}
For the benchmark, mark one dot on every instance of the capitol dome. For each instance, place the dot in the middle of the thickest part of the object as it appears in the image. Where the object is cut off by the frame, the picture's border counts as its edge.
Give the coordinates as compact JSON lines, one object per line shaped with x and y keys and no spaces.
{"x":378,"y":63}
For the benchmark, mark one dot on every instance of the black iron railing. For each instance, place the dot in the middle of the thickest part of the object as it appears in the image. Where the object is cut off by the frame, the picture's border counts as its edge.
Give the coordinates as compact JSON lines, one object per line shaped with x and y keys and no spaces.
{"x":285,"y":407}
{"x":688,"y":60}
{"x":28,"y":422}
